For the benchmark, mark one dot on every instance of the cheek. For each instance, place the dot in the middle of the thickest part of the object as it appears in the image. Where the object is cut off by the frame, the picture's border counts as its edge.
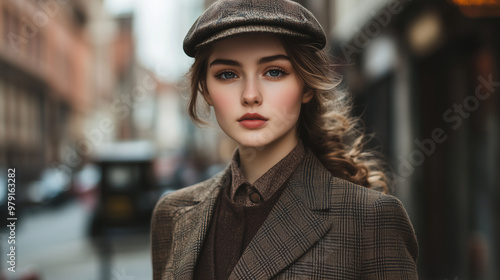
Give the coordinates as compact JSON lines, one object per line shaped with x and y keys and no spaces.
{"x":222,"y":104}
{"x":222,"y":99}
{"x":288,"y":98}
{"x":286,"y":104}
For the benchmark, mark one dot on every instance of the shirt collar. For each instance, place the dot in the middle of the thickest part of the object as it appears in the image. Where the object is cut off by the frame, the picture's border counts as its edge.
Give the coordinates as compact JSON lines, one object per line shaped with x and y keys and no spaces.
{"x":273,"y":179}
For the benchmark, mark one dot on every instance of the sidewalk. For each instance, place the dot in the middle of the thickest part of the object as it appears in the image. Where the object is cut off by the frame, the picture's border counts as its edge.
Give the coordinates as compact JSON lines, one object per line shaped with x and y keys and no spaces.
{"x":52,"y":243}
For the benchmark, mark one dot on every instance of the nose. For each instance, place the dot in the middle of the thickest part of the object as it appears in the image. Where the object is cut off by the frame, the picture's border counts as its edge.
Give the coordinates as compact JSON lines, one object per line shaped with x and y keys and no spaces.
{"x":251,"y":94}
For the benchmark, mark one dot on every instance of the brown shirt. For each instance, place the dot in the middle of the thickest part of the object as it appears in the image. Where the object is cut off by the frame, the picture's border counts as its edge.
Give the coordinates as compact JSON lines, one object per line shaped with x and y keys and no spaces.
{"x":240,"y":211}
{"x":246,"y":194}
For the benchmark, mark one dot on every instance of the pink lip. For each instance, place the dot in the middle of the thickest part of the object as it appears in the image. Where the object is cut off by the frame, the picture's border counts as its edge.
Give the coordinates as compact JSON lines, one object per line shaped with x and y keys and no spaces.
{"x":252,"y":120}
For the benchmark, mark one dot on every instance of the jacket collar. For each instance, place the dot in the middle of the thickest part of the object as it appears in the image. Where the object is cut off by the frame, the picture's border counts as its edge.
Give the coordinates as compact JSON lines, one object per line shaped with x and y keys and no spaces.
{"x":291,"y":228}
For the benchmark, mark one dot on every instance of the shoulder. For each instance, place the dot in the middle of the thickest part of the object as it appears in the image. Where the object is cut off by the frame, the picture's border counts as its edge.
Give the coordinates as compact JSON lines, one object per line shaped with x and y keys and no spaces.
{"x":319,"y":189}
{"x":381,"y":216}
{"x":375,"y":205}
{"x":363,"y":197}
{"x":372,"y":205}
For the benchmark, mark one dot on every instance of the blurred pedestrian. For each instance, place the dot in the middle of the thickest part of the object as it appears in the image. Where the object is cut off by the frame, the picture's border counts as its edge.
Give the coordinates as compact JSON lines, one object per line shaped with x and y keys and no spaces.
{"x":301,"y":197}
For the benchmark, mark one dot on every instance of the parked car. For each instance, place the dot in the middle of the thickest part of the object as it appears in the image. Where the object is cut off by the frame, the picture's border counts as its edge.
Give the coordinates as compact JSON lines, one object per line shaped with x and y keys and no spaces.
{"x":127,"y":188}
{"x":52,"y":187}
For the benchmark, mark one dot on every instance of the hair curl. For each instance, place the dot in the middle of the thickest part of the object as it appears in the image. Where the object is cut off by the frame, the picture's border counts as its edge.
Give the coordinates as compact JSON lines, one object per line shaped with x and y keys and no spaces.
{"x":325,"y":124}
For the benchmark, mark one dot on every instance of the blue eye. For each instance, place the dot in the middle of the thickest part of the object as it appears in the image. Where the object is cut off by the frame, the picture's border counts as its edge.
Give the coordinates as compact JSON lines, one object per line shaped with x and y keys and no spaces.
{"x":226,"y":75}
{"x":275,"y":73}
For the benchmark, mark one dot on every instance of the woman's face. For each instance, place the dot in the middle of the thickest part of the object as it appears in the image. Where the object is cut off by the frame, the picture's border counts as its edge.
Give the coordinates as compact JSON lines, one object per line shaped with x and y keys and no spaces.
{"x":255,"y":91}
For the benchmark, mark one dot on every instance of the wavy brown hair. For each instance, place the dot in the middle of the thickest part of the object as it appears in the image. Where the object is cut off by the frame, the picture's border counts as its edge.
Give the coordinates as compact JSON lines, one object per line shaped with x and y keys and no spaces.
{"x":325,"y":124}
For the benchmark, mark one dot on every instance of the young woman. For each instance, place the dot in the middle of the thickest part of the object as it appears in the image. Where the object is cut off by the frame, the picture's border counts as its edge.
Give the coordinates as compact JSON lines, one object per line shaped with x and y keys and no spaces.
{"x":298,"y":200}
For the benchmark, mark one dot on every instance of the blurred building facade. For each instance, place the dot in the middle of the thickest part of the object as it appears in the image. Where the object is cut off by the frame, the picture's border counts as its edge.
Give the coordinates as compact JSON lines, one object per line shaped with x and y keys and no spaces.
{"x":424,"y":76}
{"x":45,"y":81}
{"x":69,"y":81}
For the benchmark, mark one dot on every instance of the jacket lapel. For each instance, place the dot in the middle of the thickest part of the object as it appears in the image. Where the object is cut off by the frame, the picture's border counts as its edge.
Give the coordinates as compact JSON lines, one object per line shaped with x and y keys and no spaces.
{"x":191,"y":230}
{"x":292,"y":227}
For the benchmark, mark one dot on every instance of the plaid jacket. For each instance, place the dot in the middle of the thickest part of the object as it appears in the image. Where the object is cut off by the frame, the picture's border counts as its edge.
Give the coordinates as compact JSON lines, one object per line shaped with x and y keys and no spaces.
{"x":322,"y":227}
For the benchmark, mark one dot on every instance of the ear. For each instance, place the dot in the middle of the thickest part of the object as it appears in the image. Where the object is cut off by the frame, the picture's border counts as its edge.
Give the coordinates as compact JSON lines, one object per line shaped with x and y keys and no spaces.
{"x":206,"y":95}
{"x":208,"y":98}
{"x":307,"y":95}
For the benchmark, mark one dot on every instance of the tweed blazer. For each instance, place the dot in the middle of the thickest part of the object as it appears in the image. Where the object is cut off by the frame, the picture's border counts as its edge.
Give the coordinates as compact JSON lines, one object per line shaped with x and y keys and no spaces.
{"x":322,"y":227}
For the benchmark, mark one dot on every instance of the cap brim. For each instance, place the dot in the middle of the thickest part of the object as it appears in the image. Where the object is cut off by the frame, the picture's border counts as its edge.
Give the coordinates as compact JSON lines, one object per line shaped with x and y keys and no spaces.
{"x":247,"y":29}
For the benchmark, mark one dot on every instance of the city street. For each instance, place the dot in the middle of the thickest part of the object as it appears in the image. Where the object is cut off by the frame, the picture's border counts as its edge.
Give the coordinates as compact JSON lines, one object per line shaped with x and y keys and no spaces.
{"x":101,"y":108}
{"x":52,"y":243}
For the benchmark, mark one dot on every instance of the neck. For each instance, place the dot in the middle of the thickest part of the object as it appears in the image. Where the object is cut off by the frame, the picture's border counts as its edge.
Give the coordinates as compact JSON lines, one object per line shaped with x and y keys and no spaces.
{"x":255,"y":161}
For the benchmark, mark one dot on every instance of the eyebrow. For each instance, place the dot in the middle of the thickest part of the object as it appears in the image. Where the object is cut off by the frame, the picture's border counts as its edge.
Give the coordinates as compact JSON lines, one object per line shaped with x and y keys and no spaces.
{"x":261,"y":61}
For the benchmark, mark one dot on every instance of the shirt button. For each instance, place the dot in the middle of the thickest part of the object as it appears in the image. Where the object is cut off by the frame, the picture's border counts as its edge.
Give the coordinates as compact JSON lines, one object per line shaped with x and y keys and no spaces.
{"x":255,"y":197}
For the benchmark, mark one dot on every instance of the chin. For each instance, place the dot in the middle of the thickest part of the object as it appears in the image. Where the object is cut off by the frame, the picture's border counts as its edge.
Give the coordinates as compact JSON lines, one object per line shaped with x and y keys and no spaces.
{"x":252,"y":141}
{"x":259,"y":145}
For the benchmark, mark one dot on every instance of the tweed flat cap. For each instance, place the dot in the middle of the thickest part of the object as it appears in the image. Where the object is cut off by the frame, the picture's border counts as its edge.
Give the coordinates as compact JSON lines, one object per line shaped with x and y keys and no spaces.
{"x":225,"y":18}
